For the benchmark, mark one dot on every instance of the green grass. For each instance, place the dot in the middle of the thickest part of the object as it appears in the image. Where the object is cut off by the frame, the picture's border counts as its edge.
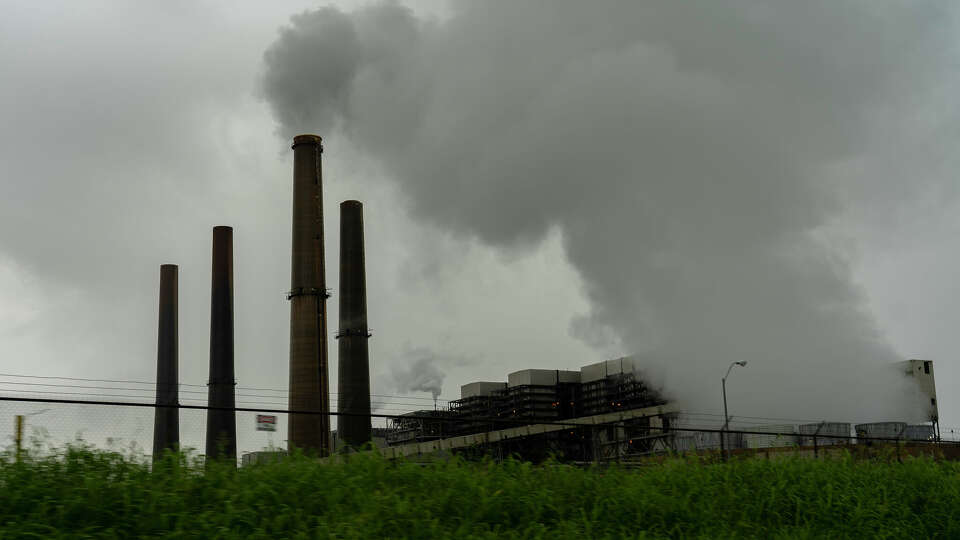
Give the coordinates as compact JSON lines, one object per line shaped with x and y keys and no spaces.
{"x":90,"y":494}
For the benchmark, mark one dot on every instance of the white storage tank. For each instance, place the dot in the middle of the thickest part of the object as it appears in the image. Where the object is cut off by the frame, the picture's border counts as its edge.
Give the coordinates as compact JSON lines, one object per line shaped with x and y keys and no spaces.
{"x":829,"y":433}
{"x":731,"y":440}
{"x":684,"y":442}
{"x":780,"y":435}
{"x":710,"y":440}
{"x":701,"y":440}
{"x":883,"y":430}
{"x":920,"y":432}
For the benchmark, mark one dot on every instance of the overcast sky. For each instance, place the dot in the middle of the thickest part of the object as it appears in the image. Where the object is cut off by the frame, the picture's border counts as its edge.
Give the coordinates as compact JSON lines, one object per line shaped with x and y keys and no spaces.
{"x":545,"y":185}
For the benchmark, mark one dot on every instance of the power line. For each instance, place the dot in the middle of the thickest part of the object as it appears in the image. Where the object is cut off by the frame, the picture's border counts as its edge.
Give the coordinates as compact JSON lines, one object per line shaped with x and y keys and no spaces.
{"x":62,"y":393}
{"x":128,"y":381}
{"x":426,"y":400}
{"x":88,"y":380}
{"x":150,"y":394}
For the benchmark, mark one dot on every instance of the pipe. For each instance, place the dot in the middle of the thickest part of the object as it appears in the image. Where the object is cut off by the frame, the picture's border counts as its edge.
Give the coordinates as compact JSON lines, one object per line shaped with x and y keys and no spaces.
{"x":166,"y":419}
{"x":309,"y":383}
{"x":353,"y":355}
{"x":221,"y":424}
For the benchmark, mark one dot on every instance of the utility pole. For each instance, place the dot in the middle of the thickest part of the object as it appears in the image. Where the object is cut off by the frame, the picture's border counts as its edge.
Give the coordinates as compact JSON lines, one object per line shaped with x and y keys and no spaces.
{"x":18,"y":434}
{"x":726,"y":416}
{"x":18,"y":423}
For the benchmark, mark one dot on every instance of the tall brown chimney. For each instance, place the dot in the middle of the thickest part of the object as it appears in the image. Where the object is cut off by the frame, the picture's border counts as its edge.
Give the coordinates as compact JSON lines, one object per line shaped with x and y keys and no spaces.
{"x":309,"y":385}
{"x":221,"y":424}
{"x":353,"y":397}
{"x":166,"y":418}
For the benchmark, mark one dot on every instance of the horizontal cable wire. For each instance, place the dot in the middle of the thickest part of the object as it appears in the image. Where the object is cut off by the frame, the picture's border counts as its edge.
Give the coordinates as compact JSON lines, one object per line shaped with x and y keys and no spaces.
{"x":149,"y":397}
{"x":738,"y":418}
{"x":194,"y":385}
{"x":150,"y":392}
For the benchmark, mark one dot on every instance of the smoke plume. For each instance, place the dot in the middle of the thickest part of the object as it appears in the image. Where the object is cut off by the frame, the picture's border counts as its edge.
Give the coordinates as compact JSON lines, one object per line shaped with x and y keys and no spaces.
{"x":686,"y":151}
{"x":418,"y":372}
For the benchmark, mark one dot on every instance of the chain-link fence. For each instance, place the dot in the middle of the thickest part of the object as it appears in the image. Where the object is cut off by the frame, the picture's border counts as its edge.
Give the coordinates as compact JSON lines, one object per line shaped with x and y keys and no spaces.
{"x":47,"y":425}
{"x":50,"y":425}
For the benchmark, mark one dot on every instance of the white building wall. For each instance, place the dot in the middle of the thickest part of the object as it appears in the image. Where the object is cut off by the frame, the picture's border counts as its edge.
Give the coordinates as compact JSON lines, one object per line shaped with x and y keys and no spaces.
{"x":921,"y":372}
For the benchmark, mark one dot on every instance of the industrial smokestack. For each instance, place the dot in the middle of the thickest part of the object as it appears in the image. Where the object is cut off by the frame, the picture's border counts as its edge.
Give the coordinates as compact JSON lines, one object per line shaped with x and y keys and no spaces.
{"x":166,"y":419}
{"x":309,"y":385}
{"x":354,"y":373}
{"x":221,"y":424}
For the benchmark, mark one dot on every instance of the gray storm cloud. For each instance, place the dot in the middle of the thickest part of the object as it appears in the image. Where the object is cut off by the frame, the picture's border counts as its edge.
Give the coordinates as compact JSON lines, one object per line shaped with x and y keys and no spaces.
{"x":685,"y":151}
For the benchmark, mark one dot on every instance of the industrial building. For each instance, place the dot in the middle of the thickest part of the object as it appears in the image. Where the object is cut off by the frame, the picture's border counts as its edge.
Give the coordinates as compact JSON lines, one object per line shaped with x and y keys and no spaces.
{"x":924,"y":387}
{"x":609,"y":411}
{"x":600,"y":392}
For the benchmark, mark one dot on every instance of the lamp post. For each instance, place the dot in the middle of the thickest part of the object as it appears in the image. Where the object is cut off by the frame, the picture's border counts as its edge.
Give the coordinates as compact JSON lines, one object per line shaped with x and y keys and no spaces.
{"x":726,"y":417}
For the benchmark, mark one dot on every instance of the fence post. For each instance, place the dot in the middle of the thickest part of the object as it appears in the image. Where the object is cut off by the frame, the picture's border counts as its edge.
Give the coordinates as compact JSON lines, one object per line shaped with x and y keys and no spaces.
{"x":18,"y":434}
{"x":897,"y":441}
{"x":815,"y":433}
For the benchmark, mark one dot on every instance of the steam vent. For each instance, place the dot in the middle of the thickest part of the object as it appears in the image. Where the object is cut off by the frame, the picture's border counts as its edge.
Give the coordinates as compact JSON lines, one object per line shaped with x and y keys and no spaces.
{"x":309,"y":384}
{"x":166,"y":419}
{"x":353,"y":385}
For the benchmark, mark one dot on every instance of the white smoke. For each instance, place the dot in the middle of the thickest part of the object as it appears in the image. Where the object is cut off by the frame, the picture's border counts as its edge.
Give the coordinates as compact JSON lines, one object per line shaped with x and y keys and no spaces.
{"x":418,"y":372}
{"x":686,"y":151}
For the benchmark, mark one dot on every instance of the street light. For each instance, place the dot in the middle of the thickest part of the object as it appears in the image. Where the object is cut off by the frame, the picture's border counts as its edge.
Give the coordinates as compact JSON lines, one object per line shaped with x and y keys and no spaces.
{"x":726,"y":417}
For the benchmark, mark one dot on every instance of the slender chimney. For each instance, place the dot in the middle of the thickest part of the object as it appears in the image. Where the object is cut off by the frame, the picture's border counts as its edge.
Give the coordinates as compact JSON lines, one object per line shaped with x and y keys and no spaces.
{"x":221,"y":424}
{"x":353,"y":396}
{"x":166,"y":418}
{"x":309,"y":385}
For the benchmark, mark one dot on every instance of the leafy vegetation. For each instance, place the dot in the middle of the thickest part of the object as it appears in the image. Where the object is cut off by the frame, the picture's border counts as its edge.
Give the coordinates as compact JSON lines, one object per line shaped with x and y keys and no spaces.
{"x":83,"y":493}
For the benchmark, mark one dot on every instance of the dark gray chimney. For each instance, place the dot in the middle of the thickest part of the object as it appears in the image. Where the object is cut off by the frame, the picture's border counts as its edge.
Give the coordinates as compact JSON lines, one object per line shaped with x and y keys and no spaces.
{"x":353,"y":398}
{"x":309,"y":384}
{"x":221,"y":424}
{"x":166,"y":418}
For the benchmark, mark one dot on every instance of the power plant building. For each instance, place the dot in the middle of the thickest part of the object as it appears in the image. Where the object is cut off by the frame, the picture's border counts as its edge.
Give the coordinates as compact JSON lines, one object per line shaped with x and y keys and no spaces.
{"x":920,"y":372}
{"x":611,"y":390}
{"x":604,"y":410}
{"x":609,"y":411}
